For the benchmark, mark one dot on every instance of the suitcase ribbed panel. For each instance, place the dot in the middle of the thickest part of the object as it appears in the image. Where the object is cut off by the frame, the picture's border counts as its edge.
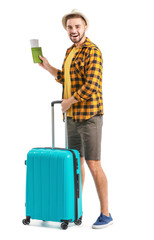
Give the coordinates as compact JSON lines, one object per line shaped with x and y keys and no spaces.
{"x":50,"y":193}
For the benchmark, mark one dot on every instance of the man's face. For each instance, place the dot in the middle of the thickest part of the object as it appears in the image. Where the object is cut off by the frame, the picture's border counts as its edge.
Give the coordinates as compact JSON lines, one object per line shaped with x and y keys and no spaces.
{"x":76,"y":28}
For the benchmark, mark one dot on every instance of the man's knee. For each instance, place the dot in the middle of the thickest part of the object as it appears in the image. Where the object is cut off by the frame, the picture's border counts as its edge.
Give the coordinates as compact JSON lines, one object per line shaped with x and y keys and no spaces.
{"x":94,"y":166}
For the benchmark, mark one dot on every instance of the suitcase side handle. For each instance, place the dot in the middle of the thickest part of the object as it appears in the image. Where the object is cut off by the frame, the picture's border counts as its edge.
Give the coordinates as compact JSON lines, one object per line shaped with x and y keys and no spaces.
{"x":53,"y":124}
{"x":78,"y":186}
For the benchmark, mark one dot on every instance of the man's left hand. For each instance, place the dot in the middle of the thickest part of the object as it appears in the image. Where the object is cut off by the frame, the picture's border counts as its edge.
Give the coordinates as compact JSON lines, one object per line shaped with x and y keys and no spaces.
{"x":66,"y":103}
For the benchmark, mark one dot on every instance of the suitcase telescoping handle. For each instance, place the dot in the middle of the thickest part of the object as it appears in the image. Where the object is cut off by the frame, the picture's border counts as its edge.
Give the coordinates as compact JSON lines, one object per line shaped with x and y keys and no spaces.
{"x":53,"y":124}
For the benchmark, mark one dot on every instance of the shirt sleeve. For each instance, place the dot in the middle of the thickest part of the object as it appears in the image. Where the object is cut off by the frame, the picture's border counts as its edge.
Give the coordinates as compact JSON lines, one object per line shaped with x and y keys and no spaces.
{"x":60,"y":77}
{"x":93,"y":76}
{"x":60,"y":74}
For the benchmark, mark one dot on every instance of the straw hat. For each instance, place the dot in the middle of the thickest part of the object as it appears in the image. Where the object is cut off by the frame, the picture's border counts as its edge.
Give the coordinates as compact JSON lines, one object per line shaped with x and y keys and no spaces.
{"x":74,"y":11}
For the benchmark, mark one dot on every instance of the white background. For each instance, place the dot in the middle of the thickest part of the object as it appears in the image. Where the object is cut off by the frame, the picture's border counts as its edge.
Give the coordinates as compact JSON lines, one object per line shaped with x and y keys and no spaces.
{"x":123,"y":30}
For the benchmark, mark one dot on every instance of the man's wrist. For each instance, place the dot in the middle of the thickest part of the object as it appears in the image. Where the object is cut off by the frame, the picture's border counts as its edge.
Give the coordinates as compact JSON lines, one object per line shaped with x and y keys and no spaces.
{"x":72,"y":100}
{"x":49,"y":68}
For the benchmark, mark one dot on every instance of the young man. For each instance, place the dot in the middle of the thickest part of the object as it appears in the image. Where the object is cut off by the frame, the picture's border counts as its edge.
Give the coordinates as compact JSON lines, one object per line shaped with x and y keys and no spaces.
{"x":81,"y":77}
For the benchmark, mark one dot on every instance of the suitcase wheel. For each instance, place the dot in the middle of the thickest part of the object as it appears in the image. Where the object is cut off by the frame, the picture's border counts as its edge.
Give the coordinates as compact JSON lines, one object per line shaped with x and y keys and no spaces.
{"x":26,"y":221}
{"x":79,"y":221}
{"x":64,"y":225}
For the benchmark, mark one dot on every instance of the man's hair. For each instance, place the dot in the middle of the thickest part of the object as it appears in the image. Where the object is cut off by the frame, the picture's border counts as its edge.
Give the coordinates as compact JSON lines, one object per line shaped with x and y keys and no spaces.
{"x":75,"y":16}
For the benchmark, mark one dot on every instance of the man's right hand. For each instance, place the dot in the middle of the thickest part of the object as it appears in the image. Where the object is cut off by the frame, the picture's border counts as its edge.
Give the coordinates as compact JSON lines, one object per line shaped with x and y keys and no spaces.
{"x":45,"y":64}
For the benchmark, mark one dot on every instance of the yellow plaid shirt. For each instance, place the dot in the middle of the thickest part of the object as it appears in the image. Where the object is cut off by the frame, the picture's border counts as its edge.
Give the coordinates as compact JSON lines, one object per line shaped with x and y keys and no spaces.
{"x":86,"y":81}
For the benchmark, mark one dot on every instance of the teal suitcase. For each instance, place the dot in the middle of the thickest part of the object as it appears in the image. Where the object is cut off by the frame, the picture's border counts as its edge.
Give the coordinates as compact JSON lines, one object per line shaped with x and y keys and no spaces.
{"x":53,"y":183}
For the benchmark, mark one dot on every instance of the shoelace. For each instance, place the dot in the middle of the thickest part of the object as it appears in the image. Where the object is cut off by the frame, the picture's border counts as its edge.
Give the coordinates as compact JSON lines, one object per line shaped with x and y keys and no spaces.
{"x":100,"y":218}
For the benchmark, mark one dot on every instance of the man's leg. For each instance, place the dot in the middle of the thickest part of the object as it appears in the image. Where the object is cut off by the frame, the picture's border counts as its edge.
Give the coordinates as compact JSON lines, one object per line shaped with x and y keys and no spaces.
{"x":101,"y":184}
{"x":82,"y":160}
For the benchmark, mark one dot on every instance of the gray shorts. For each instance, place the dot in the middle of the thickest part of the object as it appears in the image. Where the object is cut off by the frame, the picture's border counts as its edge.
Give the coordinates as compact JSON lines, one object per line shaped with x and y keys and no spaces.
{"x":86,"y":137}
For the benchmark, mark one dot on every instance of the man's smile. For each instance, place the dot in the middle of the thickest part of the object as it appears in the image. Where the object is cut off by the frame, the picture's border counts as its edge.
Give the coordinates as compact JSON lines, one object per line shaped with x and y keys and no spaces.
{"x":74,"y":35}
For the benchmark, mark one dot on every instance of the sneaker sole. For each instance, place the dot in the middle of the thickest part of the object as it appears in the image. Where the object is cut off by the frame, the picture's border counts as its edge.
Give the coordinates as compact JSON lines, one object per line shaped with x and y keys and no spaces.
{"x":102,"y":226}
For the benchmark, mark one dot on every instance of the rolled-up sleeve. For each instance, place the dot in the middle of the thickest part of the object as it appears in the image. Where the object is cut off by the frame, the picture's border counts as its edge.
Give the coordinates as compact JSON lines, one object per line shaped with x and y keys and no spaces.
{"x":93,"y":76}
{"x":60,"y":77}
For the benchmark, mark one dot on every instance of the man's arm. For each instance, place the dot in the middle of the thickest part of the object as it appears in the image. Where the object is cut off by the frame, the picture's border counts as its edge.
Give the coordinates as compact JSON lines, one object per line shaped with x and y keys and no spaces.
{"x":45,"y":64}
{"x":93,"y":76}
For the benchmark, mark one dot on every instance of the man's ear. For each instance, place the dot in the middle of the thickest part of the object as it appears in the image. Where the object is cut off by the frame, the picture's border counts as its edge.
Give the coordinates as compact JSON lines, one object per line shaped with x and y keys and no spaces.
{"x":86,"y":27}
